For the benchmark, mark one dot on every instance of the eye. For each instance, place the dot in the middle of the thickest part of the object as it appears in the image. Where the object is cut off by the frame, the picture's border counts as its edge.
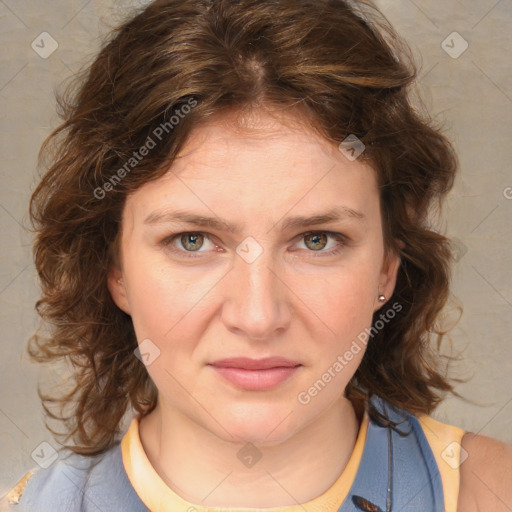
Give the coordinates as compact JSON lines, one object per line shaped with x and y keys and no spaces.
{"x":187,"y":243}
{"x":316,"y":241}
{"x":190,"y":241}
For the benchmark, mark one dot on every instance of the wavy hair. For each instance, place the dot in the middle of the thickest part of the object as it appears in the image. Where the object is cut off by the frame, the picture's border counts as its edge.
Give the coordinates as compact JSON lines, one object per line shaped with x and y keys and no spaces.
{"x":339,"y":63}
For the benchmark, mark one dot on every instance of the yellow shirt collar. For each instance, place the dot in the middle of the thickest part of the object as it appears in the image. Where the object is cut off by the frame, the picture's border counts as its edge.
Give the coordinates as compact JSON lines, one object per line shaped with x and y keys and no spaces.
{"x":158,"y":497}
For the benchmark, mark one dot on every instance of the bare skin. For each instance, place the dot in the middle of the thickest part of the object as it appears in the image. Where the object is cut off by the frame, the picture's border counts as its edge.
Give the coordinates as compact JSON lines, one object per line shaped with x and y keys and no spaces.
{"x":486,"y":475}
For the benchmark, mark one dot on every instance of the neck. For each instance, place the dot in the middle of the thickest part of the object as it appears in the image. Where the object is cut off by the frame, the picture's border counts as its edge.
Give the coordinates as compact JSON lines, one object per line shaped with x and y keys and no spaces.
{"x":202,"y":469}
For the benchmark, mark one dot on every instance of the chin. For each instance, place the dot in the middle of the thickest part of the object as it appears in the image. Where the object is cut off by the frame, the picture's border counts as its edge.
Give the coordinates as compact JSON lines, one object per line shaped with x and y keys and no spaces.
{"x":263,"y":425}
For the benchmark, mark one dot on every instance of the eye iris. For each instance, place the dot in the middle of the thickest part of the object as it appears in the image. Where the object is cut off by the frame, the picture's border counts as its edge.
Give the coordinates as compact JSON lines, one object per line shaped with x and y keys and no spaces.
{"x":315,"y":237}
{"x":194,"y":237}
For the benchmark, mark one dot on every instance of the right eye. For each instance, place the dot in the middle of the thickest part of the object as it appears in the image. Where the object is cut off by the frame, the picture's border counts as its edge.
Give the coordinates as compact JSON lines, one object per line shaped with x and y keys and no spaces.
{"x":190,"y":242}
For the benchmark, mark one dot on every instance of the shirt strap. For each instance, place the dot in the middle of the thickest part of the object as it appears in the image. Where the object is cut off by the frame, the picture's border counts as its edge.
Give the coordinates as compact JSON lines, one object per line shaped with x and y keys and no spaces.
{"x":445,"y":442}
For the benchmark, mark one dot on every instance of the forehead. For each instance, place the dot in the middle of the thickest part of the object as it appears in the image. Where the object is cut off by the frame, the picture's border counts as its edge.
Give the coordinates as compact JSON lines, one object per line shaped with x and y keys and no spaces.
{"x":268,"y":165}
{"x":252,"y":131}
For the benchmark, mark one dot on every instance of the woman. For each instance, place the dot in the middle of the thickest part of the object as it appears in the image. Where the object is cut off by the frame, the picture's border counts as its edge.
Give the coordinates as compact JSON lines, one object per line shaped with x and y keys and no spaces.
{"x":235,"y":243}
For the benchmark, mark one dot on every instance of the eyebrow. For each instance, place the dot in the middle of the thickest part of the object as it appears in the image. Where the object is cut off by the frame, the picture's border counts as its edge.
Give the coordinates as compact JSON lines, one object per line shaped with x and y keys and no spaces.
{"x":187,"y":217}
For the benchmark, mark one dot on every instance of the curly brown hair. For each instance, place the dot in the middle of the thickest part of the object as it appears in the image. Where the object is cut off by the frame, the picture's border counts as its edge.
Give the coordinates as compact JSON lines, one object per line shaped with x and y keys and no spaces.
{"x":338,"y":62}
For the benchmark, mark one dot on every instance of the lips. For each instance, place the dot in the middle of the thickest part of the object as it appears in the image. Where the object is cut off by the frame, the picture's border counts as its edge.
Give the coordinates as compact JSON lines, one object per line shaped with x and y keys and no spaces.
{"x":246,"y":363}
{"x":256,"y":374}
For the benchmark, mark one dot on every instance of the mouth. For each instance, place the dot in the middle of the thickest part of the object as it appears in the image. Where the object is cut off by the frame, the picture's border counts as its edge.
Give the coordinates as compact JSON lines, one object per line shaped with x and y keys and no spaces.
{"x":256,"y":374}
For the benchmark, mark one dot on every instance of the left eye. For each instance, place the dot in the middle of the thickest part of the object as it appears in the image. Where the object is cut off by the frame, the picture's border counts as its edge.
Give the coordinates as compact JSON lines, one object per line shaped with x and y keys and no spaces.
{"x":315,"y":241}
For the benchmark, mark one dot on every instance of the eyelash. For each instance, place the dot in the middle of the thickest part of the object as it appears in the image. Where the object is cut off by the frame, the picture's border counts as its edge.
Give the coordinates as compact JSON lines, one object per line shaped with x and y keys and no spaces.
{"x":167,"y":242}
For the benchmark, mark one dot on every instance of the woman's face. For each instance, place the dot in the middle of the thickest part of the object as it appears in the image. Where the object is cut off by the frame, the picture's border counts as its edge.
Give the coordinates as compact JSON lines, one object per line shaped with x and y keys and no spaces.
{"x":264,"y":288}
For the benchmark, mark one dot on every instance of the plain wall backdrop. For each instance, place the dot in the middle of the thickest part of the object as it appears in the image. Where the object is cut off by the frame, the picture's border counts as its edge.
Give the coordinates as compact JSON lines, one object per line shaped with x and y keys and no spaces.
{"x":463,"y":48}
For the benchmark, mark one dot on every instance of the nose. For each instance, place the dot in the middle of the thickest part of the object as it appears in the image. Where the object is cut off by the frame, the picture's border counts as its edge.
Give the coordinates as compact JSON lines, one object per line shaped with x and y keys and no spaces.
{"x":256,"y":301}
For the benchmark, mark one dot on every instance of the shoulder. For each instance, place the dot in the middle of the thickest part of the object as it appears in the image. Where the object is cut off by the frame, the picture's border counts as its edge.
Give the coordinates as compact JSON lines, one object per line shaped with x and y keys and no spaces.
{"x":59,"y":487}
{"x":485,"y":474}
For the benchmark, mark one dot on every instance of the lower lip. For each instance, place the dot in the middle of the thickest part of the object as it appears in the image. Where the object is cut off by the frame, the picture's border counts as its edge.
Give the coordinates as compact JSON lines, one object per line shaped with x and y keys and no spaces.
{"x":256,"y":380}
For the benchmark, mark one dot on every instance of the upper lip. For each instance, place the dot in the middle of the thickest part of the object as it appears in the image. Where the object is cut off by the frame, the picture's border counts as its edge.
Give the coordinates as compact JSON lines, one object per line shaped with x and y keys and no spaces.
{"x":247,"y":363}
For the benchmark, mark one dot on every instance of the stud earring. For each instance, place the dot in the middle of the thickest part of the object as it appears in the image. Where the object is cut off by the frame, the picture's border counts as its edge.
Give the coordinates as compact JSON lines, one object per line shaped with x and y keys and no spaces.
{"x":120,"y":280}
{"x":382,"y":298}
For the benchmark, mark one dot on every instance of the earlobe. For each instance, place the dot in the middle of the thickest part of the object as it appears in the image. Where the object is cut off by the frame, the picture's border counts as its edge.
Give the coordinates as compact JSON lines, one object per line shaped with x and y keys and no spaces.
{"x":117,"y":289}
{"x":387,"y":279}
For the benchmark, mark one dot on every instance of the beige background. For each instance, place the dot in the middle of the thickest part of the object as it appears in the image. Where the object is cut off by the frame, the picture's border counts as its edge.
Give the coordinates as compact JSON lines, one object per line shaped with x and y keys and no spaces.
{"x":471,"y":95}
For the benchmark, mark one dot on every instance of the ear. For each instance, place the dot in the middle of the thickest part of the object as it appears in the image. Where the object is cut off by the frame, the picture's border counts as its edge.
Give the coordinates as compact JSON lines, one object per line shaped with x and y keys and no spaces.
{"x":387,"y":280}
{"x":117,"y":289}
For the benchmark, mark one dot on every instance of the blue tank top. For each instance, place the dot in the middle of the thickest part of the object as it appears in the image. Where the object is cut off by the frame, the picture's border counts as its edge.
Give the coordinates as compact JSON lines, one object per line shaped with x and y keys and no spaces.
{"x":397,"y":473}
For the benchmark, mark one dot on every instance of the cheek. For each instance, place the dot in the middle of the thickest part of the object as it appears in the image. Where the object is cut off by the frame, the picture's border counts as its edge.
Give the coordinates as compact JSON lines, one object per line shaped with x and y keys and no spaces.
{"x":340,"y":309}
{"x":342,"y":300}
{"x":168,"y":304}
{"x":157,"y":299}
